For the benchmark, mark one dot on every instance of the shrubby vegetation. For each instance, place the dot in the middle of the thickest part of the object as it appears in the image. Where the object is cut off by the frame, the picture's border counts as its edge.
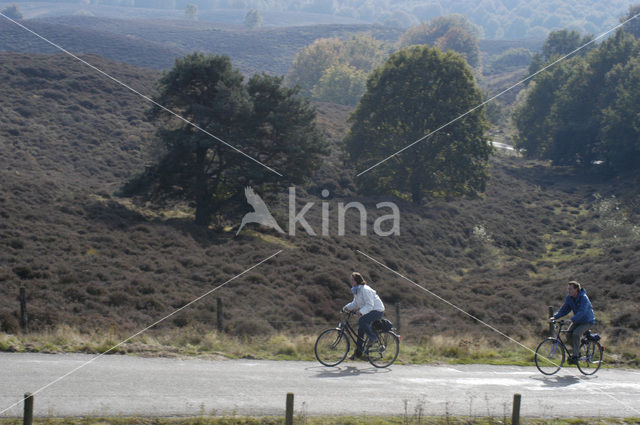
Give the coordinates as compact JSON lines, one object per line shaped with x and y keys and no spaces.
{"x":418,"y":90}
{"x":69,"y":139}
{"x":398,"y":19}
{"x":583,"y":112}
{"x":147,"y":43}
{"x":136,"y":51}
{"x":509,"y":60}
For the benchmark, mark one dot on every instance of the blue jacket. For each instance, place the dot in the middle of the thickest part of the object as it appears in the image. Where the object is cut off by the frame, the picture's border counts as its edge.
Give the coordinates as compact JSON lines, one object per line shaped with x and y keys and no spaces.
{"x":581,"y":308}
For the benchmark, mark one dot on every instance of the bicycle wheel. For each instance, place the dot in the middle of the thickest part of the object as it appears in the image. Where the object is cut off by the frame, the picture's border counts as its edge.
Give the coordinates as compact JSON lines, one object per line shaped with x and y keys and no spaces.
{"x":590,"y":358}
{"x":384,"y":351}
{"x":549,"y":356}
{"x":332,"y":347}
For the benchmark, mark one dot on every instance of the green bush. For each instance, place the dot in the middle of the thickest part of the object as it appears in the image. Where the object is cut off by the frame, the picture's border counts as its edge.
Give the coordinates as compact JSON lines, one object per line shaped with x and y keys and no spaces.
{"x":510,"y":59}
{"x":8,"y":323}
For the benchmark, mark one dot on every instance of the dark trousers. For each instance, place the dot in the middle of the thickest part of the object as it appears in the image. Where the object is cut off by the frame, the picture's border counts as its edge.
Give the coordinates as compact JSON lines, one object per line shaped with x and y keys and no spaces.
{"x":364,"y":326}
{"x":574,"y":333}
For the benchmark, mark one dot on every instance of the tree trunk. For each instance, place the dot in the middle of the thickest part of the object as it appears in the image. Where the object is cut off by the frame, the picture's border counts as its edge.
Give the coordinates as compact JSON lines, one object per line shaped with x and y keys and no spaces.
{"x":416,"y":188}
{"x":203,"y":196}
{"x":203,"y":215}
{"x":416,"y":197}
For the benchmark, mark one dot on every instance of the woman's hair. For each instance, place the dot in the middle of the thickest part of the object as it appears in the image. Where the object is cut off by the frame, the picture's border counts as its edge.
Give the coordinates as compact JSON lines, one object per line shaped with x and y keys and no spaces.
{"x":357,"y":277}
{"x":575,"y":284}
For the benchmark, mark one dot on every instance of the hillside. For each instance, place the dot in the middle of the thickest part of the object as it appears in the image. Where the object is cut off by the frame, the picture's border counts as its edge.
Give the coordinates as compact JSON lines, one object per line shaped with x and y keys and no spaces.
{"x":118,"y":9}
{"x":90,"y":259}
{"x":497,"y":19}
{"x":156,"y":43}
{"x":118,"y":47}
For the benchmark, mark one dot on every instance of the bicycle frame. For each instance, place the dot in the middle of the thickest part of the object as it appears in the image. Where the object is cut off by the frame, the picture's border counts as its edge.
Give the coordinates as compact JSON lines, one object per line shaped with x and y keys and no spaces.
{"x":559,"y":339}
{"x":346,"y":328}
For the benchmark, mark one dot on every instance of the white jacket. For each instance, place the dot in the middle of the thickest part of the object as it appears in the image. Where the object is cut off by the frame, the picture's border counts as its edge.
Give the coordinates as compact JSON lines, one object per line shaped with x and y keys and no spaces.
{"x":366,"y":300}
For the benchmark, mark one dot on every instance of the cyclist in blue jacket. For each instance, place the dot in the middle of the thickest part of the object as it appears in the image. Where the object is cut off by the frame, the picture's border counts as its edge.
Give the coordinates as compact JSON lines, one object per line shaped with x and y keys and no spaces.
{"x":370,"y":306}
{"x":583,"y":317}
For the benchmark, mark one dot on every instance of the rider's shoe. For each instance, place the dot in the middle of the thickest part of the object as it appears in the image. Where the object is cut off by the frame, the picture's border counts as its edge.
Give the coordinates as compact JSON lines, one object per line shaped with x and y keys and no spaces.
{"x":356,"y":355}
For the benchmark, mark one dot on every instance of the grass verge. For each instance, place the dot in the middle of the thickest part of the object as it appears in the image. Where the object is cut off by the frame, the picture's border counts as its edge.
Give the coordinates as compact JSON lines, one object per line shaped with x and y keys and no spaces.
{"x":321,"y":420}
{"x":193,"y":342}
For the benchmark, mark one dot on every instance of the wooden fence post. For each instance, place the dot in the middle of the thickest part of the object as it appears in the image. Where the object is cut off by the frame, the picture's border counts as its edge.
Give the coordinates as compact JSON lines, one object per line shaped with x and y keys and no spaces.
{"x":288,"y":418}
{"x":550,"y":324}
{"x":398,"y":327}
{"x":219,"y":314}
{"x":24,"y":323}
{"x":515,"y":417}
{"x":28,"y":409}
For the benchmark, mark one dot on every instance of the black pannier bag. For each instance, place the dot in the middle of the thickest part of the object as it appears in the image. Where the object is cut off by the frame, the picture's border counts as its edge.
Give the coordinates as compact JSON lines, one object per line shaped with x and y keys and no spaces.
{"x":382,"y":325}
{"x":588,"y":336}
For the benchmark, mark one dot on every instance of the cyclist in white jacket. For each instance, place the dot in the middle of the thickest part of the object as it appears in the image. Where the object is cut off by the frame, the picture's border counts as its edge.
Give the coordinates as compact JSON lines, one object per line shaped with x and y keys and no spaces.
{"x":370,"y":307}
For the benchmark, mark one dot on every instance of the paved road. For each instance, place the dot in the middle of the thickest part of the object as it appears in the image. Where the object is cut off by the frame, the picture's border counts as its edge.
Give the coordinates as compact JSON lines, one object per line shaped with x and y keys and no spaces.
{"x":125,"y":385}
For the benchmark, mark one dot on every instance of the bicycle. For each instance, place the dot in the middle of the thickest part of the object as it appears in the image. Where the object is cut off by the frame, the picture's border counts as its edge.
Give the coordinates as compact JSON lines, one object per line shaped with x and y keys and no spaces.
{"x":332,"y":345}
{"x":550,"y":354}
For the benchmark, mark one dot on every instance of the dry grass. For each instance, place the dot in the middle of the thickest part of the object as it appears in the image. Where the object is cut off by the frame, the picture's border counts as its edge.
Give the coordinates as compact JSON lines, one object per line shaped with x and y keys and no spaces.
{"x":453,"y":349}
{"x":408,"y":419}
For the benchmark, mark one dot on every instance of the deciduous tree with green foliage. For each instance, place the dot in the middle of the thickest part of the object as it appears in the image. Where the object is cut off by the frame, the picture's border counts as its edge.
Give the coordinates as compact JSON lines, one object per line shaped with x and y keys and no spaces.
{"x":558,"y":44}
{"x":583,"y":112}
{"x":262,"y":118}
{"x":621,"y":118}
{"x":253,"y":19}
{"x":582,"y":100}
{"x":341,"y":84}
{"x":191,"y":11}
{"x":453,"y":32}
{"x":633,"y":26}
{"x":12,"y":11}
{"x":311,"y":62}
{"x":318,"y":66}
{"x":533,"y":118}
{"x":418,"y":90}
